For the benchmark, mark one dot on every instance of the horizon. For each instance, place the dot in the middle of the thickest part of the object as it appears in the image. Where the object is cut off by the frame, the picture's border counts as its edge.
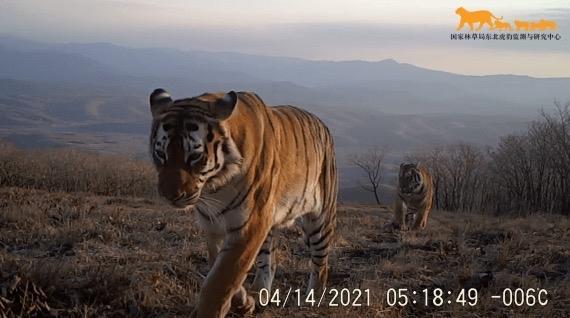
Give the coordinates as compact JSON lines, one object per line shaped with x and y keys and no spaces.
{"x":368,"y":31}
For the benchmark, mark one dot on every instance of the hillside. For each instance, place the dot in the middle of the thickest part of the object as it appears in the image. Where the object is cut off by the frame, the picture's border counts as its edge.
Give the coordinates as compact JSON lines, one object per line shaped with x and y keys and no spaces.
{"x":81,"y":255}
{"x":117,"y":124}
{"x":32,"y":107}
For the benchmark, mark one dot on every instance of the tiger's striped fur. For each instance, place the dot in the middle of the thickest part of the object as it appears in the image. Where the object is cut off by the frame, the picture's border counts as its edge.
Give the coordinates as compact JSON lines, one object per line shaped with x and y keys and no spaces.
{"x":415,"y":196}
{"x":246,"y":170}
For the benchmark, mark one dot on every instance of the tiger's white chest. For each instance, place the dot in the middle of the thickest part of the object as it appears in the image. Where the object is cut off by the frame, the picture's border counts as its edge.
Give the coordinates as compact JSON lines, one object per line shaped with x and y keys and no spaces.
{"x":219,"y":211}
{"x":215,"y":212}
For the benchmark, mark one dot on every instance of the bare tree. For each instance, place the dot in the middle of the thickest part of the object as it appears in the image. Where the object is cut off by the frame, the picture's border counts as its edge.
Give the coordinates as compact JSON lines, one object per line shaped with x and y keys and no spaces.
{"x":458,"y":175}
{"x":371,"y":163}
{"x":524,"y":173}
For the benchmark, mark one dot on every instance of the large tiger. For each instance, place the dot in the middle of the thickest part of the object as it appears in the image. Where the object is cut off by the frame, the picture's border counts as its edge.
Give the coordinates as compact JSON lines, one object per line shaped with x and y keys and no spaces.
{"x":415,"y":196}
{"x":245,"y":169}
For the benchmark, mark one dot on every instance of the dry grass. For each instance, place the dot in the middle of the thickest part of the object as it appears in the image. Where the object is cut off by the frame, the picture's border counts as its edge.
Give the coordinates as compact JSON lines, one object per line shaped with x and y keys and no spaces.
{"x":83,"y":255}
{"x":72,"y":170}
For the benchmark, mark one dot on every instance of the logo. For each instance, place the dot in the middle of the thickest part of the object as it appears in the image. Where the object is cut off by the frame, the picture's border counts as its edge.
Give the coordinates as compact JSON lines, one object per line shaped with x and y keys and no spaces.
{"x":476,"y":21}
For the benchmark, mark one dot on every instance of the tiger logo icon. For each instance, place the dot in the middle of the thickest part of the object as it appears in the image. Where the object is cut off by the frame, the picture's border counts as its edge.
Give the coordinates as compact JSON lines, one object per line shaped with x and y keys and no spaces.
{"x":472,"y":17}
{"x":503,"y":26}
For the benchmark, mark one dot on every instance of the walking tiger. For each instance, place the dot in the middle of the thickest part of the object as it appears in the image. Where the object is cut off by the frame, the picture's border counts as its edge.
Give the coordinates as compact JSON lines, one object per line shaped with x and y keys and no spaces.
{"x":414,"y":197}
{"x":245,"y":170}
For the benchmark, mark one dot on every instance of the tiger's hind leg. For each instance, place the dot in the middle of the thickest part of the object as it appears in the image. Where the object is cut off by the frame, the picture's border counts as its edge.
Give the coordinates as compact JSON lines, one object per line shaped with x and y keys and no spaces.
{"x":266,"y":265}
{"x":318,"y":232}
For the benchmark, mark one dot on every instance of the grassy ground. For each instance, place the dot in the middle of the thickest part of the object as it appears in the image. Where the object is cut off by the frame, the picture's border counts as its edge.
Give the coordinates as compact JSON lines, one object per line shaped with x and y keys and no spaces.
{"x":92,"y":256}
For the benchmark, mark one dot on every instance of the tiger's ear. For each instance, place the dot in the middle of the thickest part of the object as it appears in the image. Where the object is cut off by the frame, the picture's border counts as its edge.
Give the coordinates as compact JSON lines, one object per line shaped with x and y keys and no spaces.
{"x":224,"y":107}
{"x":159,"y":101}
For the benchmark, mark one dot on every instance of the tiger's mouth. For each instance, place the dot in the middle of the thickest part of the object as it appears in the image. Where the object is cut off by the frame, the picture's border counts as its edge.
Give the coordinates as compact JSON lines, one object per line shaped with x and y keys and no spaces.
{"x":185,"y":201}
{"x":407,"y":190}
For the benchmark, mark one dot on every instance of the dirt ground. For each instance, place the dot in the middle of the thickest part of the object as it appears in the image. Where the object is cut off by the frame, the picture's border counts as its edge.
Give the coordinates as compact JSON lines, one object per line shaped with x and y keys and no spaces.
{"x":78,"y":255}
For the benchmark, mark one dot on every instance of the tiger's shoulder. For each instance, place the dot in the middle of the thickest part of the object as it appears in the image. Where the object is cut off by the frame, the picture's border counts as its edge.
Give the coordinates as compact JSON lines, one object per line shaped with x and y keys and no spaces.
{"x":426,"y":174}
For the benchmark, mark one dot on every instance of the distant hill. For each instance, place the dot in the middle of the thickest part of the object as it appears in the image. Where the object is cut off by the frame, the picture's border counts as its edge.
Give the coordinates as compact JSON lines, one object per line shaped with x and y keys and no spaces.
{"x":384,"y":85}
{"x":50,"y":66}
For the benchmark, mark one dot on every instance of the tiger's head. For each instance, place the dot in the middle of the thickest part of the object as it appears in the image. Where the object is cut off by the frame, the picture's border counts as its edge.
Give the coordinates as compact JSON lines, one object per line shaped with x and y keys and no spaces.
{"x":190,"y":145}
{"x":410,"y":178}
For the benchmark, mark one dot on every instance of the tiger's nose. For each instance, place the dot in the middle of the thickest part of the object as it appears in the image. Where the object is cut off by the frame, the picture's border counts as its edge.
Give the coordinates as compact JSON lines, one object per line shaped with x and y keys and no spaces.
{"x":172,"y":196}
{"x":179,"y":196}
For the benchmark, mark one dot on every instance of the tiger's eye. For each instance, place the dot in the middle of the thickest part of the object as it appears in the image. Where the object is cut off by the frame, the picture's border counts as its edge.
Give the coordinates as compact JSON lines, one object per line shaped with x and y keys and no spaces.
{"x":166,"y":126}
{"x":191,"y":127}
{"x":194,"y":156}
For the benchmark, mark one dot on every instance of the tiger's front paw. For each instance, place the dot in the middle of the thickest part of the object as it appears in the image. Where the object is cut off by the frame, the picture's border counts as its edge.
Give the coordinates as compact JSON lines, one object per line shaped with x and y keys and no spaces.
{"x":243,"y":306}
{"x":392,"y":226}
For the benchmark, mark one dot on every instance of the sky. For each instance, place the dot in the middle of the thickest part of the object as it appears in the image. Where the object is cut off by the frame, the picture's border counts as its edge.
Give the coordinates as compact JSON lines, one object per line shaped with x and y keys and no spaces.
{"x":410,"y":31}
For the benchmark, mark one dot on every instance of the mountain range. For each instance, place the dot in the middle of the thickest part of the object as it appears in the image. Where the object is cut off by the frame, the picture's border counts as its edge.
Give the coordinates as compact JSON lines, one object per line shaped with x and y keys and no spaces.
{"x":94,"y":96}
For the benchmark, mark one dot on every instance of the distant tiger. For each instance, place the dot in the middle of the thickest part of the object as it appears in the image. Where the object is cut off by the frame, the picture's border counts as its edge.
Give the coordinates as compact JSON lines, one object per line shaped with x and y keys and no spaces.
{"x":415,"y":197}
{"x":246,"y":170}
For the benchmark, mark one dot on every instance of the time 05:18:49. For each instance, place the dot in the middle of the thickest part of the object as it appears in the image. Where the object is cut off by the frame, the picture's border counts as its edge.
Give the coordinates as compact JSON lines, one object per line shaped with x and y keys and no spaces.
{"x":436,"y":297}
